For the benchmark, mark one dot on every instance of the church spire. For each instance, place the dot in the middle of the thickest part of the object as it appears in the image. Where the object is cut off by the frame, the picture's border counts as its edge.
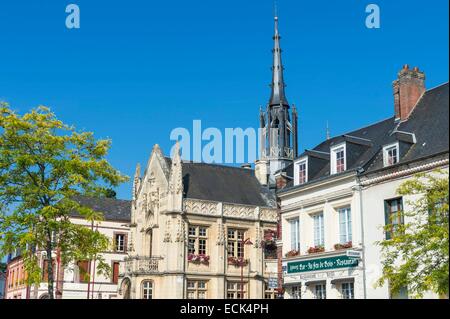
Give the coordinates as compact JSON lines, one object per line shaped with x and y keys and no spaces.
{"x":278,"y":96}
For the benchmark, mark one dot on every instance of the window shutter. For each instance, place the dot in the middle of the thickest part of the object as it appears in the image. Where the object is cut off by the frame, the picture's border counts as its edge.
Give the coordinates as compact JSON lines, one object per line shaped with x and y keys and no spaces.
{"x":387,"y":218}
{"x":115,"y":276}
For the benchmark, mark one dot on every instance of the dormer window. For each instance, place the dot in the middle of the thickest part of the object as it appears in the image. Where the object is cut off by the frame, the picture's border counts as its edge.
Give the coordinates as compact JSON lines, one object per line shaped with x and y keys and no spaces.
{"x":338,"y":162}
{"x":302,"y":172}
{"x":390,"y":154}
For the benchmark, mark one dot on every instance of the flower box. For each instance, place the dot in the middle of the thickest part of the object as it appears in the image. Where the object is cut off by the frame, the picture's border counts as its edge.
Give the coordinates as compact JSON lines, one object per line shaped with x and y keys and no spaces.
{"x":237,"y":261}
{"x":292,"y":253}
{"x":198,"y":259}
{"x":343,"y":246}
{"x":316,"y":249}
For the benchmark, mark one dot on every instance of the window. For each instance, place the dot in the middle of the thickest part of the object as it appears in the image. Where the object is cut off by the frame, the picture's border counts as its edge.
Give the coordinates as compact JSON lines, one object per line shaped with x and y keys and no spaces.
{"x":295,"y":240}
{"x":347,"y":290}
{"x":296,"y":292}
{"x":320,"y":291}
{"x":196,"y":289}
{"x":120,"y":242}
{"x":393,"y":215}
{"x":338,"y":164}
{"x":302,"y":172}
{"x":235,"y":247}
{"x":147,"y":290}
{"x":236,"y":290}
{"x":83,"y":270}
{"x":115,"y":272}
{"x":318,"y":230}
{"x":345,"y":225}
{"x":269,"y":293}
{"x":197,"y":240}
{"x":390,"y":154}
{"x":438,"y":211}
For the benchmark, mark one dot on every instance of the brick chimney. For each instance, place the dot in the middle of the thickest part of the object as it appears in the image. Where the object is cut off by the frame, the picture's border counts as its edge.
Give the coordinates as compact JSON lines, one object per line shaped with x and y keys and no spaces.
{"x":408,"y":89}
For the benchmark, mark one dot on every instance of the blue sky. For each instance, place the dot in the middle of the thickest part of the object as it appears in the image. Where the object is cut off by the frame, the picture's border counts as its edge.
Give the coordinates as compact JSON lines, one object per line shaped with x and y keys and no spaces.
{"x":137,"y":69}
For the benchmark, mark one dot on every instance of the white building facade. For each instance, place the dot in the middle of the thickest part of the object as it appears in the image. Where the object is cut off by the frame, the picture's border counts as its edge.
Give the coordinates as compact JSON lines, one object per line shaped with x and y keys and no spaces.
{"x":344,"y":193}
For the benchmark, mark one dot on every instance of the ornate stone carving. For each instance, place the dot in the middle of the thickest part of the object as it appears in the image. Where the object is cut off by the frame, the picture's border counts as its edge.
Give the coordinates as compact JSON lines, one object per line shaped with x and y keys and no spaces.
{"x":144,"y":203}
{"x":136,"y":183}
{"x":220,"y":234}
{"x":167,"y":232}
{"x":269,"y":214}
{"x":258,"y":237}
{"x":181,"y":231}
{"x":175,"y":180}
{"x":239,"y":211}
{"x":200,"y":207}
{"x":154,"y":197}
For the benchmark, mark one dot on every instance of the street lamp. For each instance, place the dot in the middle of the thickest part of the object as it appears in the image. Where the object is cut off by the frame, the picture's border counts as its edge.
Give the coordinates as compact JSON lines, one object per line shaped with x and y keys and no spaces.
{"x":243,"y":242}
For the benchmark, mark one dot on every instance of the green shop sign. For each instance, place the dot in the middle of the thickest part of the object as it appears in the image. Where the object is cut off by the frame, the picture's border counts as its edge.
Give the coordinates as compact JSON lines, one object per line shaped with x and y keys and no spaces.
{"x":321,"y":264}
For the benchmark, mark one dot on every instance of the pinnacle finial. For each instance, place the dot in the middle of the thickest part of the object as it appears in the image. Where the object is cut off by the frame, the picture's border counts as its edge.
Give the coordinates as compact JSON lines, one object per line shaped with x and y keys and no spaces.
{"x":278,"y":97}
{"x":275,"y":10}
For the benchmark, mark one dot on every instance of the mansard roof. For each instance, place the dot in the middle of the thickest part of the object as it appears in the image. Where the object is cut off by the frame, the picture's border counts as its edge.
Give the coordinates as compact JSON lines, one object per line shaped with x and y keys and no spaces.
{"x":426,"y":132}
{"x":112,"y":209}
{"x":224,"y":184}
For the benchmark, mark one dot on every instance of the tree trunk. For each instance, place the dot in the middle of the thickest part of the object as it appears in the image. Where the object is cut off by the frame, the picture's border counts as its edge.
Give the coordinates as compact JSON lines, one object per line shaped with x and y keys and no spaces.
{"x":50,"y":279}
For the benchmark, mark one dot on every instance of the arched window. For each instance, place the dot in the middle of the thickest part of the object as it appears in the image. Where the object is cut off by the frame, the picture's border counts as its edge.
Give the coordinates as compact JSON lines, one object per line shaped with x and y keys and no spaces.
{"x":147,"y":289}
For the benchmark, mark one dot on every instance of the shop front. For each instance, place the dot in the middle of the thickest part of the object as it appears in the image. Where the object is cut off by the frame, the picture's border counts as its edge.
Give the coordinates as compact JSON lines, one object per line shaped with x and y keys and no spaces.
{"x":329,"y":276}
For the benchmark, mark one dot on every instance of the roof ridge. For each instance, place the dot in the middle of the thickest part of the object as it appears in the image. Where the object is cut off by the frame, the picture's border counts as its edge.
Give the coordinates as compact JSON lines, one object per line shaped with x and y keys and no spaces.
{"x":437,"y":87}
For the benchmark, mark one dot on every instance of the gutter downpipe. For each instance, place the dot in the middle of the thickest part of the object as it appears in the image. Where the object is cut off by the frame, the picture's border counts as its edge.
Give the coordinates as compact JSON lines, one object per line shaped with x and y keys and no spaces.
{"x":360,"y":189}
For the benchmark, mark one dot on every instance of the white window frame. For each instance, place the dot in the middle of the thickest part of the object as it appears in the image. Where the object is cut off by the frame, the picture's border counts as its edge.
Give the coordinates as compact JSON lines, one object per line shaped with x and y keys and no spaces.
{"x":320,"y":291}
{"x":147,"y":289}
{"x":301,"y":161}
{"x":321,"y":229}
{"x":348,"y":290}
{"x":386,"y":150}
{"x":334,"y":150}
{"x":296,"y":292}
{"x":197,"y":288}
{"x":348,"y":235}
{"x":295,"y":244}
{"x":120,"y":240}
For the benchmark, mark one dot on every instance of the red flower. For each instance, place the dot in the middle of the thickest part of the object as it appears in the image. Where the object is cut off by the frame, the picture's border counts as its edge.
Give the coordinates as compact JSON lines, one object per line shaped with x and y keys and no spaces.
{"x":292,"y":253}
{"x":316,"y":249}
{"x":198,"y":259}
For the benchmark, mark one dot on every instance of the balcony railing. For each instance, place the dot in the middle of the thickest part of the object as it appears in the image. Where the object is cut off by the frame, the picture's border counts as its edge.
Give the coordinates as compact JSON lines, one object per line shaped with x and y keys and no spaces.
{"x":140,"y":266}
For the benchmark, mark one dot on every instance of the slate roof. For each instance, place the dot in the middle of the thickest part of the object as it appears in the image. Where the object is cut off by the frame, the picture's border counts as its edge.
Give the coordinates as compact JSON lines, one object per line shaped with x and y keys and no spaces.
{"x":224,"y":184}
{"x":113,"y":209}
{"x":428,"y":122}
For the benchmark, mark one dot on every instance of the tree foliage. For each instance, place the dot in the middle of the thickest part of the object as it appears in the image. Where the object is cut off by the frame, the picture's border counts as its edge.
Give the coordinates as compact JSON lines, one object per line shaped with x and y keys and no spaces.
{"x":416,"y":256}
{"x":45,"y":165}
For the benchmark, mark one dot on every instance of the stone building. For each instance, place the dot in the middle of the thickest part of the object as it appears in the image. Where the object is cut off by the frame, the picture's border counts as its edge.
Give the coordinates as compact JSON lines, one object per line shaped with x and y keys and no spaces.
{"x":199,"y":231}
{"x":209,"y":231}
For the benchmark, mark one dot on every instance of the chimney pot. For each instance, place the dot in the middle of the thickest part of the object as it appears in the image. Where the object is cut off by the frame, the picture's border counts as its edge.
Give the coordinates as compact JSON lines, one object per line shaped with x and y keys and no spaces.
{"x":408,"y":89}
